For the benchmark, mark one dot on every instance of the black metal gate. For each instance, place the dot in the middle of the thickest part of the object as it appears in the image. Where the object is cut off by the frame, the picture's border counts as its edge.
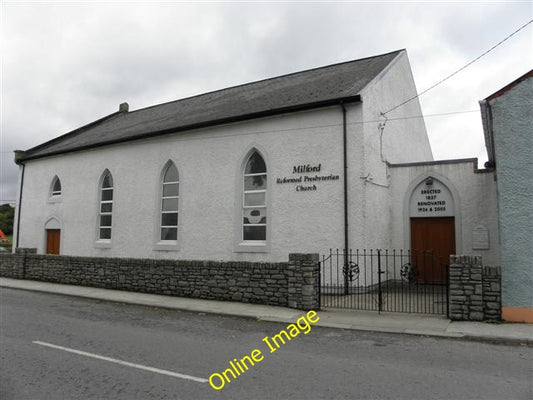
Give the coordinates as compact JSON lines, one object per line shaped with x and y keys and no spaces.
{"x":384,"y":280}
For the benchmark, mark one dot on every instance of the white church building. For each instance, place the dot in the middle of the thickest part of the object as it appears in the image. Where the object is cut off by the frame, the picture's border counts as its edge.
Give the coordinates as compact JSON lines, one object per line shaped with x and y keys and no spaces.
{"x":299,"y":163}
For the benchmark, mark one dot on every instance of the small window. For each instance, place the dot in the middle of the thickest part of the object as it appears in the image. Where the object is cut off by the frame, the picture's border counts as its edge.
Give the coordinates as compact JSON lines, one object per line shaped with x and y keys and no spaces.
{"x":254,"y":220}
{"x":106,"y":207}
{"x":169,"y":204}
{"x":56,"y":187}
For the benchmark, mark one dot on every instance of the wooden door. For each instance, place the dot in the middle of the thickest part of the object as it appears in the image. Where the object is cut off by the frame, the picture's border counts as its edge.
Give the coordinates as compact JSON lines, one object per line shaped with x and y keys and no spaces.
{"x":432,"y":242}
{"x":53,"y":237}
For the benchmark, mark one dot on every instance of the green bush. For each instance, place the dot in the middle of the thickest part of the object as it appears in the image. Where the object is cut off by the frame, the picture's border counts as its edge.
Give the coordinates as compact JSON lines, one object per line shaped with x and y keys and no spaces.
{"x":7,"y":215}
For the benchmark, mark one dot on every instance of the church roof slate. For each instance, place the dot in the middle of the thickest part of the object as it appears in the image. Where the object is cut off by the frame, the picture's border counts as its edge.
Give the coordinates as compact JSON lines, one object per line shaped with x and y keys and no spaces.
{"x":308,"y":89}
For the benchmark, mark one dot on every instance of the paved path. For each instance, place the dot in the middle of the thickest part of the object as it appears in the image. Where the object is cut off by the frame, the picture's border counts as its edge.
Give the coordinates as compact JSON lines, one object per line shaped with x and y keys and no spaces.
{"x":427,"y":325}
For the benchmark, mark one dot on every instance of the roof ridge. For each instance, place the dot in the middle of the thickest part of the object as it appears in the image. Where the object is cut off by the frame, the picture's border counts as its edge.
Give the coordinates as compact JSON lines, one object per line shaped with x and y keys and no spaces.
{"x":275,"y":95}
{"x":265,"y":80}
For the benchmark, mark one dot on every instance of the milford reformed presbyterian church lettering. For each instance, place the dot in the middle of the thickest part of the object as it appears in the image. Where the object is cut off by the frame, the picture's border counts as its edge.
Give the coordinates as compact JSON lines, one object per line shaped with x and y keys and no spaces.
{"x":306,"y":183}
{"x":299,"y":169}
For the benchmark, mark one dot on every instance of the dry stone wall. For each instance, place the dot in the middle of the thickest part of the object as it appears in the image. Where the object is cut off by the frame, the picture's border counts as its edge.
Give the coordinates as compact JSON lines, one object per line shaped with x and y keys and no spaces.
{"x":292,"y":284}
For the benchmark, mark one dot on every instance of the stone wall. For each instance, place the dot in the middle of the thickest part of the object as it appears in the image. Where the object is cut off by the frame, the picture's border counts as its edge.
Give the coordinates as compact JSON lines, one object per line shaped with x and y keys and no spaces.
{"x":492,"y":293}
{"x":293,"y":284}
{"x":303,"y":280}
{"x":475,"y":291}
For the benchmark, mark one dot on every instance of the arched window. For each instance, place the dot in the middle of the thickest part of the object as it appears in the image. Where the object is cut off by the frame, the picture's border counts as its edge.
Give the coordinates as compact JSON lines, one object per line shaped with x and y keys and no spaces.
{"x":55,"y":187}
{"x":106,"y":207}
{"x":169,"y":203}
{"x":254,"y":223}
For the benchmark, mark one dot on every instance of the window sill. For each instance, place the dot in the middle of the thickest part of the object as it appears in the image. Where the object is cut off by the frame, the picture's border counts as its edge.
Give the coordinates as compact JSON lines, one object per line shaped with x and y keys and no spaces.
{"x":102,"y":244}
{"x":252,"y":247}
{"x":167,"y":246}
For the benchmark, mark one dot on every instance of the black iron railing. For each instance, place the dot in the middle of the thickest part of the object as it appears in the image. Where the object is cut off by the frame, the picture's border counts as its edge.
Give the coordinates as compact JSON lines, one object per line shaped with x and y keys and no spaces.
{"x":384,"y":280}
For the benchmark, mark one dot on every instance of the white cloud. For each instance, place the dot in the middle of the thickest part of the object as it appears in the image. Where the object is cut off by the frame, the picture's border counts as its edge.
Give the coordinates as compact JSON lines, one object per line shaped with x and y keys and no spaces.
{"x":67,"y":64}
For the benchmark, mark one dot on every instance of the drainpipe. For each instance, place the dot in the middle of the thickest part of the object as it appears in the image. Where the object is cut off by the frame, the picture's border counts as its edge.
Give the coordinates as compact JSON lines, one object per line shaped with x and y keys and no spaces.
{"x":345,"y":160}
{"x":18,"y":160}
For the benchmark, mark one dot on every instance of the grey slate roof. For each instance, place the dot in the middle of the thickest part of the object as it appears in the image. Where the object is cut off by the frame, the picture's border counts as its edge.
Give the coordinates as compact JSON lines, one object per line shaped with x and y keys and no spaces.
{"x":296,"y":91}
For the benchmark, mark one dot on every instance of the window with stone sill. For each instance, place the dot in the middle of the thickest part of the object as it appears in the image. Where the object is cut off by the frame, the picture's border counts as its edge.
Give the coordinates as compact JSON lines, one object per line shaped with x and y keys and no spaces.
{"x":106,"y":207}
{"x":254,"y":220}
{"x":169,"y":210}
{"x":55,"y":188}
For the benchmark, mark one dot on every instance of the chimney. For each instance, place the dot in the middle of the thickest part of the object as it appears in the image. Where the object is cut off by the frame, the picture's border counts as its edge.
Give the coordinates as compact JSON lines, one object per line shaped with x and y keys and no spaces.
{"x":19,"y":155}
{"x":124,"y":107}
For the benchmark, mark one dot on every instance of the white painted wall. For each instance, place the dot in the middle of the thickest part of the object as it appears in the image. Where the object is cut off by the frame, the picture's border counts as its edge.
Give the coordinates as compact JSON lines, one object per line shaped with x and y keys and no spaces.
{"x":475,"y":203}
{"x":210,"y":187}
{"x":403,"y":140}
{"x":210,"y":161}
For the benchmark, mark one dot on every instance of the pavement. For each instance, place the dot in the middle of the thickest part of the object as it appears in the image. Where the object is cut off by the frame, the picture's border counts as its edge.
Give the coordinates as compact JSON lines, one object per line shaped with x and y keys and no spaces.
{"x":414,"y":324}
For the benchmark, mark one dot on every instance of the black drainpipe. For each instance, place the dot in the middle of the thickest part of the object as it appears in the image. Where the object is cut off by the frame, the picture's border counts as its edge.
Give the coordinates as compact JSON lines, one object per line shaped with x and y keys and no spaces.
{"x":345,"y":157}
{"x":18,"y":154}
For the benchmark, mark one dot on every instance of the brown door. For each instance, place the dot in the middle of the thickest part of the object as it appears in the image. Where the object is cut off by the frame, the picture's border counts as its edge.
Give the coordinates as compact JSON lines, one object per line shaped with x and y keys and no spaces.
{"x":432,"y":242}
{"x":52,"y":241}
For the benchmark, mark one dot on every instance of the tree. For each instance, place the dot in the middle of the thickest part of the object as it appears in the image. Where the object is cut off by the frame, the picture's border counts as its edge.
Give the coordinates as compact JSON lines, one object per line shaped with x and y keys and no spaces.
{"x":7,"y":215}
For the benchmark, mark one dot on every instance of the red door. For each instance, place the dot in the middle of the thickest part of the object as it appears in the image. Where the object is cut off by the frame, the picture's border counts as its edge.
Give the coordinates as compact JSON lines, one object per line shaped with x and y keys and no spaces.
{"x":52,"y":241}
{"x":432,"y":242}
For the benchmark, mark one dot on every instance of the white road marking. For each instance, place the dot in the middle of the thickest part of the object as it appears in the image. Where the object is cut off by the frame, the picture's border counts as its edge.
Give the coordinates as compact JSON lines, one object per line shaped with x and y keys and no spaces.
{"x":128,"y":364}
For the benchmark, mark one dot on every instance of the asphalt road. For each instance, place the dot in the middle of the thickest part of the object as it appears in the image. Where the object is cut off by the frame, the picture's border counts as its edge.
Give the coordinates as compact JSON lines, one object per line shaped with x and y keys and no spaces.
{"x":94,"y":337}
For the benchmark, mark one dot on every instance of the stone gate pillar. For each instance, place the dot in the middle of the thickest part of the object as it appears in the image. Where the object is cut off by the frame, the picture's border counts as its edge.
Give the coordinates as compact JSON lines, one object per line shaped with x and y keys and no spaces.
{"x":475,"y":292}
{"x":303,"y":280}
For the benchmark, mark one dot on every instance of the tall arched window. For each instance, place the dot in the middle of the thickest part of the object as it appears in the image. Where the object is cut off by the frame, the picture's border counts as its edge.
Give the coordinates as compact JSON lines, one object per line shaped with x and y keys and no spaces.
{"x":55,"y":187}
{"x":106,"y":207}
{"x":169,"y":203}
{"x":254,"y":218}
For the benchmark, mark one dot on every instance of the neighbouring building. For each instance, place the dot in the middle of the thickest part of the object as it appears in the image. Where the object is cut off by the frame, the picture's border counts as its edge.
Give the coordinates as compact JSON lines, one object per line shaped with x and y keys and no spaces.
{"x":508,"y":126}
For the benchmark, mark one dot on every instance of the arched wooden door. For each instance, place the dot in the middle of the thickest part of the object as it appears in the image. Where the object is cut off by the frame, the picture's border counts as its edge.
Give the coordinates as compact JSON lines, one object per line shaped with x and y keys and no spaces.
{"x":53,"y":240}
{"x":432,"y":230}
{"x":432,"y":242}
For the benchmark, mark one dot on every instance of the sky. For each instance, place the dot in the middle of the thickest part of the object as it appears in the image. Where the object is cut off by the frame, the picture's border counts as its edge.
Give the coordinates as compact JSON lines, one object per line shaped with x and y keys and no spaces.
{"x":67,"y":63}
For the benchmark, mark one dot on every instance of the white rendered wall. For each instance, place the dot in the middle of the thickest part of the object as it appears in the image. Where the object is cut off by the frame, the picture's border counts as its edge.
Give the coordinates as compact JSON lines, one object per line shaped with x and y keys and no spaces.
{"x":476,"y":204}
{"x":403,"y":140}
{"x":210,"y":183}
{"x":209,"y":164}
